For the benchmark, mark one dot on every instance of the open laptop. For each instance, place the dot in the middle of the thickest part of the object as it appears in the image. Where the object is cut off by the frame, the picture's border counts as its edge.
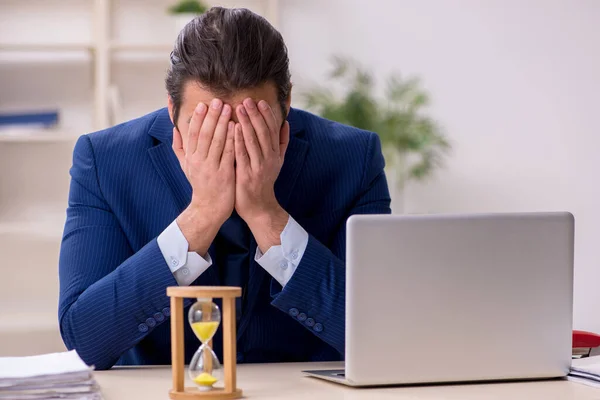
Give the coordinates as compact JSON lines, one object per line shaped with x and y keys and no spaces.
{"x":455,"y":298}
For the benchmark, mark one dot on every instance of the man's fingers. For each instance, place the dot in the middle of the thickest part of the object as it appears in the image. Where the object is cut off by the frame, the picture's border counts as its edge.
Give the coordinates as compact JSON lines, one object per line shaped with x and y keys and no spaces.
{"x":269,"y":117}
{"x":208,"y":127}
{"x":284,"y":139}
{"x":229,"y":151}
{"x":260,"y":126}
{"x":194,"y":128}
{"x":241,"y":154}
{"x":220,"y":135}
{"x":250,"y":139}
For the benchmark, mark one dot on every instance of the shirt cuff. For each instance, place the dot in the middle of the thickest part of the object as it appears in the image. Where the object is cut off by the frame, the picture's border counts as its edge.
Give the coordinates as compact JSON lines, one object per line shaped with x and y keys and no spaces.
{"x":281,"y":261}
{"x":185,"y":266}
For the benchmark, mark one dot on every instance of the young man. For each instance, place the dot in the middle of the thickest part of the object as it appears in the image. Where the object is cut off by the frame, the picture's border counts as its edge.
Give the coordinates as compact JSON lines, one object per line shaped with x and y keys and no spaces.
{"x":227,"y":186}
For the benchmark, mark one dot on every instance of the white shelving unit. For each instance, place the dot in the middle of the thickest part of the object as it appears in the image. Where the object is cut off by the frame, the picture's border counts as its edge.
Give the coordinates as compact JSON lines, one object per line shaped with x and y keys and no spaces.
{"x":159,"y":47}
{"x":98,"y":62}
{"x":52,"y":137}
{"x":105,"y":49}
{"x":45,"y":47}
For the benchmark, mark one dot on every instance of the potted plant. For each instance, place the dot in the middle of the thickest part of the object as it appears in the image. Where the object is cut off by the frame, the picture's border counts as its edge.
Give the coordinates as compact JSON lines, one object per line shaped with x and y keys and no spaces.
{"x":412,"y":142}
{"x":186,"y":10}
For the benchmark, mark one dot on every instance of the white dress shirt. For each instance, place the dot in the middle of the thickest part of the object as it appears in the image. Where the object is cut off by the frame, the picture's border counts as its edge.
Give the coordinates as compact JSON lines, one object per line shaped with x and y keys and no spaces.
{"x":279,"y":261}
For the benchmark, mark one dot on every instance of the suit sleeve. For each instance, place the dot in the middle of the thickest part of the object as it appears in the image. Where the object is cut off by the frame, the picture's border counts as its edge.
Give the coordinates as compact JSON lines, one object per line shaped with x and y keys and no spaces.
{"x":315,"y":294}
{"x":110,"y":298}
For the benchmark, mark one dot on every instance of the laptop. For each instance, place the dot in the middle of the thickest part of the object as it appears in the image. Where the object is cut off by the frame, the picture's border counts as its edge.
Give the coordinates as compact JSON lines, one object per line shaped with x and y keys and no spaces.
{"x":457,"y":298}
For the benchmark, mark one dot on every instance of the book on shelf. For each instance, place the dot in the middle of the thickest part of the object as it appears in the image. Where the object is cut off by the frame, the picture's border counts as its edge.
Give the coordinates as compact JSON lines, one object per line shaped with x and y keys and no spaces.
{"x":27,"y":123}
{"x":44,"y":119}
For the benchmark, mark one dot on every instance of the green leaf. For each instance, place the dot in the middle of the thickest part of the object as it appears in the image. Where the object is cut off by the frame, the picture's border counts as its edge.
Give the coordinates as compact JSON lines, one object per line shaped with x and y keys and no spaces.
{"x":188,"y":7}
{"x":340,"y":67}
{"x":399,"y":117}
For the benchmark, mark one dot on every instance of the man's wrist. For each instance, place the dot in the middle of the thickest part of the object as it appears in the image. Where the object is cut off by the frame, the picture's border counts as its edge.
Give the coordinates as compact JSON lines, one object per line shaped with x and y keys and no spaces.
{"x":199,"y":229}
{"x":267,"y":227}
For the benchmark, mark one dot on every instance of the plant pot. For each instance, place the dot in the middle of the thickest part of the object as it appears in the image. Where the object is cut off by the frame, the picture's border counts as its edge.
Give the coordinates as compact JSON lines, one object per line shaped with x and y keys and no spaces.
{"x":181,"y":20}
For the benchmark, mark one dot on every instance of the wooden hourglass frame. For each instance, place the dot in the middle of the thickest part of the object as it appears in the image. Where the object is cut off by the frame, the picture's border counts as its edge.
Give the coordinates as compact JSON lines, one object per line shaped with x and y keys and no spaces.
{"x":228,"y":294}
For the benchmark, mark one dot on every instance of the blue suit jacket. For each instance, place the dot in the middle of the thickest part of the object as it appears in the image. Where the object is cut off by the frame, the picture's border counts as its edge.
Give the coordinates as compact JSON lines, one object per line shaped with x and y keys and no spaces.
{"x":127,"y":187}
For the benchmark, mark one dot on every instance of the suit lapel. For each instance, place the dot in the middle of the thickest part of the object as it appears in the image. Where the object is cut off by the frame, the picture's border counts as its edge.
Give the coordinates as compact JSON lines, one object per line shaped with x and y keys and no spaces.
{"x":168,"y":168}
{"x":166,"y":162}
{"x":292,"y":165}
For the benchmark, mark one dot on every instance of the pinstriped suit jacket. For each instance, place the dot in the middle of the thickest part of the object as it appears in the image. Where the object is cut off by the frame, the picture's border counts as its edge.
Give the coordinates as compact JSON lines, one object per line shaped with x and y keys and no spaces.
{"x":127,"y":187}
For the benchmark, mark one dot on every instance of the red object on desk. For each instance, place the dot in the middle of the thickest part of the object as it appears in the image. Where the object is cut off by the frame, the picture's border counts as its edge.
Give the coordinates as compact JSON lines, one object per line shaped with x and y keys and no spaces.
{"x":586,"y":344}
{"x":585,"y":339}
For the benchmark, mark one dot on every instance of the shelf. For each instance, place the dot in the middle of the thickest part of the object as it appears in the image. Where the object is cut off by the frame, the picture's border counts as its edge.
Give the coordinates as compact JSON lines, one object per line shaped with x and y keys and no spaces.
{"x":11,"y":59}
{"x":141,"y":52}
{"x":113,"y":36}
{"x":33,"y":321}
{"x":23,"y":53}
{"x":38,"y":139}
{"x":143,"y":47}
{"x":30,"y":333}
{"x":45,"y":47}
{"x":155,"y":53}
{"x":43,"y":230}
{"x":41,"y":136}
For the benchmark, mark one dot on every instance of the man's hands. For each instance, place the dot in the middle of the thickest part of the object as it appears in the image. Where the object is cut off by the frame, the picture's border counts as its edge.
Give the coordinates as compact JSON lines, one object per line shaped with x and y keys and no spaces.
{"x":208,"y":163}
{"x":257,"y":144}
{"x":260,"y":145}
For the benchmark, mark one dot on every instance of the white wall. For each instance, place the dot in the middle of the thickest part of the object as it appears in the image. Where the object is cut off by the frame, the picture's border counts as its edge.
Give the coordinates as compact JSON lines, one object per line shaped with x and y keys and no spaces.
{"x":515,"y":84}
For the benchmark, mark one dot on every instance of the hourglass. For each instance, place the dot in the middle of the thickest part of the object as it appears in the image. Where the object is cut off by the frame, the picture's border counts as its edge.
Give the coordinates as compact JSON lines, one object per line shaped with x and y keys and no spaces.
{"x":204,"y":318}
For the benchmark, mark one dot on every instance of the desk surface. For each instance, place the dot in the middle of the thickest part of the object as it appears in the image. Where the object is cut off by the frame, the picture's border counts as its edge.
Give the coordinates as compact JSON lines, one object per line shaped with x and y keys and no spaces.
{"x":285,"y":381}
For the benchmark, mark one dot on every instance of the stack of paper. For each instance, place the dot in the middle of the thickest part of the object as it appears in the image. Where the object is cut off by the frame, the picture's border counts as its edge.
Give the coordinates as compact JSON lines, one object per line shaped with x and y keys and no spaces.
{"x":49,"y":376}
{"x":586,"y":370}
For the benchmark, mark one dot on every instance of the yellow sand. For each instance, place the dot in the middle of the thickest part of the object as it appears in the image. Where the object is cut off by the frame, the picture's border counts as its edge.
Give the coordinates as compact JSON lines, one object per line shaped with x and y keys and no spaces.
{"x":205,"y":330}
{"x":205,"y":379}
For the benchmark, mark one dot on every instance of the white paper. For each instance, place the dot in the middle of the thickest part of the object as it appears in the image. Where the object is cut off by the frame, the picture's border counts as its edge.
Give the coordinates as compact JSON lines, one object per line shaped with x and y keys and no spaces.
{"x":46,"y":379}
{"x":585,"y":376}
{"x":589,"y":365}
{"x":586,"y":370}
{"x":48,"y":376}
{"x":46,"y":364}
{"x":584,"y":381}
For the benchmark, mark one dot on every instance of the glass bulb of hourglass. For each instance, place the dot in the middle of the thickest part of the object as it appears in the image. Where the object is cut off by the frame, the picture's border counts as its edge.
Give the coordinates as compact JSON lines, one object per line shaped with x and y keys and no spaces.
{"x":205,"y":369}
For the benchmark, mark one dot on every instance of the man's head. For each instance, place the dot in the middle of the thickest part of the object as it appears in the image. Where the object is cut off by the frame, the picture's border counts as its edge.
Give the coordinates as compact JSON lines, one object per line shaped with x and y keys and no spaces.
{"x":231,"y":54}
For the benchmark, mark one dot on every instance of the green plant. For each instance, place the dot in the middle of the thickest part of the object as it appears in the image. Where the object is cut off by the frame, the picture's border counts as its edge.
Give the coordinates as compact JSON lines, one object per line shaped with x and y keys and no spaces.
{"x":412,"y":142}
{"x":188,"y":7}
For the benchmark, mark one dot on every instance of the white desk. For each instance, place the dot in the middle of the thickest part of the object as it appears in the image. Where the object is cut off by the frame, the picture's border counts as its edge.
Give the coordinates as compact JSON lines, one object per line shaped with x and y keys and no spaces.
{"x":285,"y":381}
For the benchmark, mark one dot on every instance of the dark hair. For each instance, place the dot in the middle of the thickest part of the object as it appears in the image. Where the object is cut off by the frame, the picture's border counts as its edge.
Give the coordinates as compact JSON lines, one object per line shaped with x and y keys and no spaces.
{"x":226,"y":50}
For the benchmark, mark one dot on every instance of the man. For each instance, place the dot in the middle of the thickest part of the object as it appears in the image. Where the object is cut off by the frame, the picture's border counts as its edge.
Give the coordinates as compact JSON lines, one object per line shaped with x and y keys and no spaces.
{"x":227,"y":186}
